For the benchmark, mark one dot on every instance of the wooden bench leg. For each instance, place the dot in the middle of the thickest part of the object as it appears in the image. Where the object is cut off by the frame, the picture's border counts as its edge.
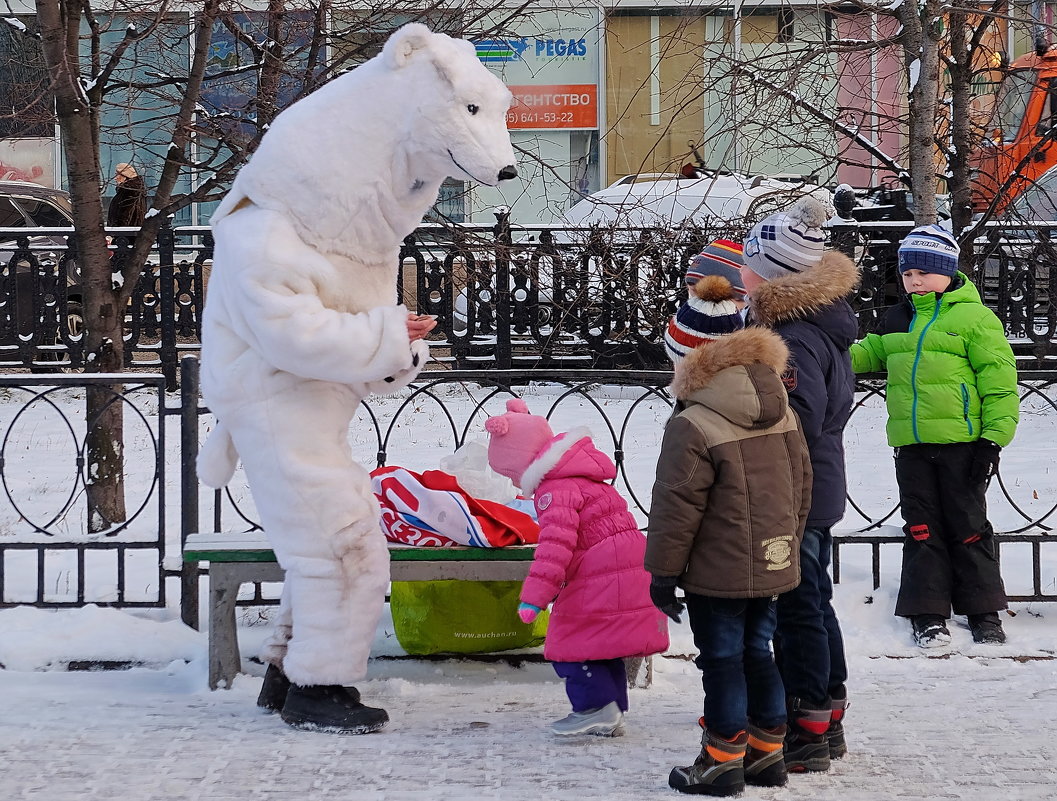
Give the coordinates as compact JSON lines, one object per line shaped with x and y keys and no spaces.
{"x":225,"y":662}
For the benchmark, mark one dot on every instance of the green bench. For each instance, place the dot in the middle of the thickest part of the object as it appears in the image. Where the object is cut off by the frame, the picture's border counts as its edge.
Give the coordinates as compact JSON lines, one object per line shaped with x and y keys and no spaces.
{"x":237,"y":559}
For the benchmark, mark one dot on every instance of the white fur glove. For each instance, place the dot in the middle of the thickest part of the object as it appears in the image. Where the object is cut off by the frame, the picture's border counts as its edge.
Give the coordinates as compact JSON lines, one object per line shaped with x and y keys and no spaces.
{"x":394,"y":383}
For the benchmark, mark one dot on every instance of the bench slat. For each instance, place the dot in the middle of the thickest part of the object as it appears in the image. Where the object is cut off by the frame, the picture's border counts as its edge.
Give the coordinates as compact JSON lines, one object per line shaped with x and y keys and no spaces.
{"x":254,"y":547}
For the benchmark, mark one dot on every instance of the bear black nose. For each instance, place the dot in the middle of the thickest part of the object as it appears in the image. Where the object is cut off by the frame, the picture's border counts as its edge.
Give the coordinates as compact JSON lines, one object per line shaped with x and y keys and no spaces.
{"x":508,"y":172}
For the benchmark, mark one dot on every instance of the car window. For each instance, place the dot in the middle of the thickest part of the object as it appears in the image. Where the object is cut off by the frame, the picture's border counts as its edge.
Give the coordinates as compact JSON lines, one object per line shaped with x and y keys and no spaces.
{"x":10,"y":216}
{"x":1039,"y":201}
{"x":43,"y":213}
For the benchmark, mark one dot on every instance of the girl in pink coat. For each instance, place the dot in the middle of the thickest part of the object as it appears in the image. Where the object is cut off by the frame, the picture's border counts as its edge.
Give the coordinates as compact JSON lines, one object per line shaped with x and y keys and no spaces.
{"x":589,"y":562}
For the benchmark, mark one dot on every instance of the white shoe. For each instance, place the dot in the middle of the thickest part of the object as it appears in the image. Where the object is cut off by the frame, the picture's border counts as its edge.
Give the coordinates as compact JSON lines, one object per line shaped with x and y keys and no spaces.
{"x":605,"y":722}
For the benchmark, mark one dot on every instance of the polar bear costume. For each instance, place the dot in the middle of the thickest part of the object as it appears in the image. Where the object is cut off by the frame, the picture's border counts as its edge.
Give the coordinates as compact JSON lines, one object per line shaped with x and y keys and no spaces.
{"x":302,"y":323}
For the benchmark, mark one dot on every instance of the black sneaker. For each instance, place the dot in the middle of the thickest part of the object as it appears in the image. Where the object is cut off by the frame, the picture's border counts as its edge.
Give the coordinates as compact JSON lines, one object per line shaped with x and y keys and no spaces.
{"x":930,"y":631}
{"x":987,"y":628}
{"x":331,"y":708}
{"x":274,"y":689}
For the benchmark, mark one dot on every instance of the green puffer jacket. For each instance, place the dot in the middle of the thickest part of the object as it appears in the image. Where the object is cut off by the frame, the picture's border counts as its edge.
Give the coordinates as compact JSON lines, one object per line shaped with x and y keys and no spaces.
{"x":951,"y":373}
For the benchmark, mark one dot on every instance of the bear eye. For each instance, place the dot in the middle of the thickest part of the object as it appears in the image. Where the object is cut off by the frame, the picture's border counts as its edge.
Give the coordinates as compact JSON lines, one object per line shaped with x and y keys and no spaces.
{"x":473,"y":108}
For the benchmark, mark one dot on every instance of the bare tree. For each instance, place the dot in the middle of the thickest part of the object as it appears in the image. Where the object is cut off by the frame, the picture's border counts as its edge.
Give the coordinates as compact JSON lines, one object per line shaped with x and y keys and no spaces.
{"x":95,"y":57}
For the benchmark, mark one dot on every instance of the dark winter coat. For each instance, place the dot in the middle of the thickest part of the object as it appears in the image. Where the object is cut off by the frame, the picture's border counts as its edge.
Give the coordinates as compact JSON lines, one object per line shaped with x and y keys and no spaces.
{"x":129,"y":206}
{"x":733,"y":478}
{"x":811,"y":313}
{"x":951,"y":372}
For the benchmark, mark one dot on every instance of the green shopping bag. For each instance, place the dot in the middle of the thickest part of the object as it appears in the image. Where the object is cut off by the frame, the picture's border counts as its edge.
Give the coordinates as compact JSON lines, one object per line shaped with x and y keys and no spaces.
{"x":461,"y":617}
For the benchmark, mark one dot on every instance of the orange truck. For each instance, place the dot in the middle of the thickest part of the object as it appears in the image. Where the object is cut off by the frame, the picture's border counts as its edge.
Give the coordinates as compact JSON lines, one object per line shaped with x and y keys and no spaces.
{"x":1020,"y":145}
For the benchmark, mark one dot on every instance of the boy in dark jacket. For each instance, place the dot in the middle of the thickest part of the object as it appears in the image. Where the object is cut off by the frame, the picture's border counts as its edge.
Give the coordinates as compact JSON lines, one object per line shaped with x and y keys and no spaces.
{"x":729,"y":506}
{"x":798,"y":289}
{"x":952,"y":406}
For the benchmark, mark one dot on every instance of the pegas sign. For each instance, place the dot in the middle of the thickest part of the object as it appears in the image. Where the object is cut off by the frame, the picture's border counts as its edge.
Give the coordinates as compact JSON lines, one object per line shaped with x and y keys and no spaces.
{"x":561,"y":47}
{"x":551,"y":65}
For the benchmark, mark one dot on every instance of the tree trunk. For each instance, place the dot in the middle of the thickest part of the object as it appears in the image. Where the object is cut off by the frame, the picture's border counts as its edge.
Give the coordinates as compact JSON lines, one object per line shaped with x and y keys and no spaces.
{"x":103,"y":313}
{"x":921,"y":35}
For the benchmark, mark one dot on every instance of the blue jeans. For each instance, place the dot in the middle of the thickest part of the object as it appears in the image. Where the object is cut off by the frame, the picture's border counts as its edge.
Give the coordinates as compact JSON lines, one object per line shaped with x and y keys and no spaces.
{"x":808,"y":643}
{"x":592,"y":685}
{"x":741,"y":680}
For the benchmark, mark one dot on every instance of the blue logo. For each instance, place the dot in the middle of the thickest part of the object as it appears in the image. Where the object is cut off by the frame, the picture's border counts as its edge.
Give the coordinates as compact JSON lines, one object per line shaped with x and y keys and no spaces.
{"x":500,"y":50}
{"x":752,"y":246}
{"x":561,"y":47}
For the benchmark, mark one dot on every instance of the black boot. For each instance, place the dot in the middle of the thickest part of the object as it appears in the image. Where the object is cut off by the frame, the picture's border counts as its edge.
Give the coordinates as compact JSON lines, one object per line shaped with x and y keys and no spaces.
{"x":718,"y":770}
{"x":273,"y":690}
{"x":806,"y":745}
{"x":764,"y":760}
{"x":987,"y":628}
{"x":331,"y":708}
{"x":838,"y":703}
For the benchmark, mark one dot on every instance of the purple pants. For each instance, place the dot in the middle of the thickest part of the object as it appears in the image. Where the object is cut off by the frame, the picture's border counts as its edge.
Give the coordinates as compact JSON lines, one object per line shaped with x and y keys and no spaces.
{"x":592,"y":685}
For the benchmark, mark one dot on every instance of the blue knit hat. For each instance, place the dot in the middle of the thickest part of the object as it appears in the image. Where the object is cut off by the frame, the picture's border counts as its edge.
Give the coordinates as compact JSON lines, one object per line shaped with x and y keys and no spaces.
{"x":931,"y":249}
{"x":708,"y":314}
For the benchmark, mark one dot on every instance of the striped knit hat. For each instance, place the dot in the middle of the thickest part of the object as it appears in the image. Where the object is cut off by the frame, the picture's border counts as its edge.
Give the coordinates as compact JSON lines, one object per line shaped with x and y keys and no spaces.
{"x":787,"y":242}
{"x":721,"y":257}
{"x":708,"y":314}
{"x":930,"y":249}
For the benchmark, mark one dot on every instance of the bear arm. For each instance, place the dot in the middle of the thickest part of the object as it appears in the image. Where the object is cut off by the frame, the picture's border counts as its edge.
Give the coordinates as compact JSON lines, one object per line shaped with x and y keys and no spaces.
{"x":293,"y":331}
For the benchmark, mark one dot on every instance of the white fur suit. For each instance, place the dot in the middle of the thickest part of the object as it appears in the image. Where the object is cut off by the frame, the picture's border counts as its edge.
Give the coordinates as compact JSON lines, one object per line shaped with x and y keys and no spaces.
{"x":301,"y":321}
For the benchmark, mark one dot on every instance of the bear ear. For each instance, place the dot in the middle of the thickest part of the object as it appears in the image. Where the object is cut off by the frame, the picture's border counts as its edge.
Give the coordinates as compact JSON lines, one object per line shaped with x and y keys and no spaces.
{"x":402,"y":44}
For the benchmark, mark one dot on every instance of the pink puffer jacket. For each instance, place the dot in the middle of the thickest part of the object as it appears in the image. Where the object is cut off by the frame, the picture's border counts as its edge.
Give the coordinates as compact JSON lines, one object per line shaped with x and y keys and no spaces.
{"x":589,"y":560}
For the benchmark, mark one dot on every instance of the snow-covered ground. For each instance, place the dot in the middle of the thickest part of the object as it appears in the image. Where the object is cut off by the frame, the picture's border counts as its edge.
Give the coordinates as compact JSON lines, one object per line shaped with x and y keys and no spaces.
{"x":973,"y":723}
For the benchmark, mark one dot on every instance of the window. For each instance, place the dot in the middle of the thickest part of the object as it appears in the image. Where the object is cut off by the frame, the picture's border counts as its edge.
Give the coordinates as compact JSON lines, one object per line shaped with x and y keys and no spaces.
{"x":25,"y":98}
{"x":10,"y":216}
{"x":762,"y":27}
{"x":43,"y":213}
{"x":1013,"y":102}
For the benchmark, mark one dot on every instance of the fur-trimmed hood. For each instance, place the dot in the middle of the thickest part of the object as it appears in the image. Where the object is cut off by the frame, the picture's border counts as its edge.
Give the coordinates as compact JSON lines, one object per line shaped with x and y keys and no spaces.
{"x":737,"y":376}
{"x":803,"y":295}
{"x":568,"y":455}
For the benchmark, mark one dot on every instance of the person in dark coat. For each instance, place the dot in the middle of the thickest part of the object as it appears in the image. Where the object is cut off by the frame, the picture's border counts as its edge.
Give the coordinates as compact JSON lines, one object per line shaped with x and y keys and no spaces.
{"x":129,"y":206}
{"x":798,"y":289}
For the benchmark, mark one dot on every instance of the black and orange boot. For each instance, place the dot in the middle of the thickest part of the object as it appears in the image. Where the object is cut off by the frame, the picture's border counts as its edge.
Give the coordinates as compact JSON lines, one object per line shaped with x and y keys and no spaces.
{"x":719,"y":769}
{"x":764,"y":760}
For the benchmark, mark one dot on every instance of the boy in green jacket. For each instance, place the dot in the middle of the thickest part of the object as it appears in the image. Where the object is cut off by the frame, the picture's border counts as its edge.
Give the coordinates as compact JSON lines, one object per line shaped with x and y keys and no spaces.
{"x":952,"y":406}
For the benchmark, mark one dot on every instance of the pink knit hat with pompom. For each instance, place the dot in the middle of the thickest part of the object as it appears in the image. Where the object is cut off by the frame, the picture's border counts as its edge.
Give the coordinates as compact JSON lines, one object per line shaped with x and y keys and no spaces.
{"x":518,"y":437}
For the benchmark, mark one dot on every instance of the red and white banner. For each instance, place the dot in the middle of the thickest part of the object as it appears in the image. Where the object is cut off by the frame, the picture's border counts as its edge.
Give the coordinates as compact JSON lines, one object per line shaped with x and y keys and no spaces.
{"x":431,"y":509}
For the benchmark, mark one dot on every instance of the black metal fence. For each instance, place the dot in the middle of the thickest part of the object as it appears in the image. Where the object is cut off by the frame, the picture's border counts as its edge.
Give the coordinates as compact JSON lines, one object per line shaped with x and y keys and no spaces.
{"x":505,"y":296}
{"x":49,"y":556}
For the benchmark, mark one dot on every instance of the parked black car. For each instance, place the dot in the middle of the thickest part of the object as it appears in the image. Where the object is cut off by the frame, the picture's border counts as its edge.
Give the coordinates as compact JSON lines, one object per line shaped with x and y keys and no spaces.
{"x":33,"y":278}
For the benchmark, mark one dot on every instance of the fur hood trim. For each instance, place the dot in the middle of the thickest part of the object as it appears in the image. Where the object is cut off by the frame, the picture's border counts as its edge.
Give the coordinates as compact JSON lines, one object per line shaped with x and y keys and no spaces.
{"x":749,"y":346}
{"x":548,"y":460}
{"x":800,"y":295}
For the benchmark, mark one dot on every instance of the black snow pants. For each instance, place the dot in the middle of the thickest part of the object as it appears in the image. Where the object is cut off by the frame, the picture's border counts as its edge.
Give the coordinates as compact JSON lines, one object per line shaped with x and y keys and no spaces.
{"x":949,"y":552}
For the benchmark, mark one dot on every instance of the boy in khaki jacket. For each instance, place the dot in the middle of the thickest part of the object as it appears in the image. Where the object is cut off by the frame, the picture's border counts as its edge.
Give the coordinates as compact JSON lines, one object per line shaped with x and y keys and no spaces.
{"x":729,"y":507}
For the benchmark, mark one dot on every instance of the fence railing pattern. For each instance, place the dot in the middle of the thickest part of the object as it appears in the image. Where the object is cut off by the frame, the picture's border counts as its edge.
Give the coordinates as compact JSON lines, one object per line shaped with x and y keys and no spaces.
{"x":52,"y":553}
{"x":49,"y":556}
{"x":626,"y":411}
{"x":505,"y":296}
